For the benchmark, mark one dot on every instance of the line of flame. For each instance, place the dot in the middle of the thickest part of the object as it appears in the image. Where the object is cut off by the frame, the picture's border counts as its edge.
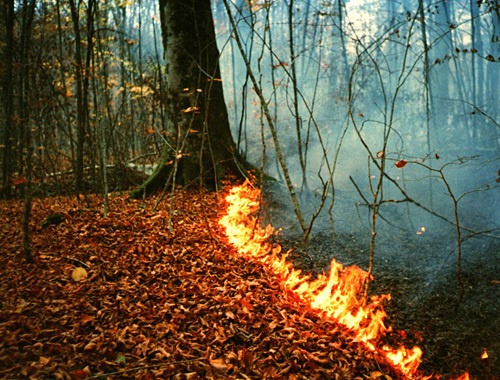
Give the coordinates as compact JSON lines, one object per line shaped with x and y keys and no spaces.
{"x":336,"y":296}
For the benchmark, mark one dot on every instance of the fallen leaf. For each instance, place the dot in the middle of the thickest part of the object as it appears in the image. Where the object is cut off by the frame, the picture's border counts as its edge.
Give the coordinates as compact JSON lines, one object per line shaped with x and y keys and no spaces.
{"x":44,"y":360}
{"x":85,"y":319}
{"x":219,"y":365}
{"x":246,"y":304}
{"x":120,"y":359}
{"x":79,"y":274}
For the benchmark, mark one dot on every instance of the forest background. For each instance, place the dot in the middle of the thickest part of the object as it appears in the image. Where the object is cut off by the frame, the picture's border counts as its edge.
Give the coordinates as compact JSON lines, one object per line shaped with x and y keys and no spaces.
{"x":352,"y":88}
{"x":374,"y":115}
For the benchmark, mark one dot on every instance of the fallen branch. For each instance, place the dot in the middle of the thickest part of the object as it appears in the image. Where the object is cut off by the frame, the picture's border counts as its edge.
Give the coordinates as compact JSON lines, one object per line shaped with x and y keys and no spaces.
{"x":72,"y":259}
{"x":143,"y":367}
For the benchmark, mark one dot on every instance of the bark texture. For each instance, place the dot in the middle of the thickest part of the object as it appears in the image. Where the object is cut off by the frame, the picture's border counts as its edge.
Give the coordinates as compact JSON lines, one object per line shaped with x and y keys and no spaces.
{"x":197,"y":120}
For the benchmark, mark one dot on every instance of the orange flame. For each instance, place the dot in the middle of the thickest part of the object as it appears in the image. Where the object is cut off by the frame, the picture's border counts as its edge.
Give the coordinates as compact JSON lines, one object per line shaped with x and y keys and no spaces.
{"x":337,"y":296}
{"x":484,"y":355}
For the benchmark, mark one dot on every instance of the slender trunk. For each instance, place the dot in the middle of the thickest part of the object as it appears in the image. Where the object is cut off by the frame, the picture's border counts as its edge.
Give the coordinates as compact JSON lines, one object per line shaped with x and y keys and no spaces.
{"x":8,"y":99}
{"x":473,"y":72}
{"x":69,"y":119}
{"x":296,"y":115}
{"x":427,"y":90}
{"x":103,"y":119}
{"x":80,"y":124}
{"x":25,"y":117}
{"x":344,"y":73}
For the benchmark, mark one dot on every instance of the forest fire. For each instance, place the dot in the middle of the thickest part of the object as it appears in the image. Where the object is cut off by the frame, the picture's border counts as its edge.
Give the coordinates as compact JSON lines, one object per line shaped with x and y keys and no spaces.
{"x":337,"y":296}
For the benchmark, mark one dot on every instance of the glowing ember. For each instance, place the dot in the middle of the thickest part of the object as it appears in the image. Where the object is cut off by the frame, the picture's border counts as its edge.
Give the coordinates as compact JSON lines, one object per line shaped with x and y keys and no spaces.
{"x":337,"y":296}
{"x":484,"y":355}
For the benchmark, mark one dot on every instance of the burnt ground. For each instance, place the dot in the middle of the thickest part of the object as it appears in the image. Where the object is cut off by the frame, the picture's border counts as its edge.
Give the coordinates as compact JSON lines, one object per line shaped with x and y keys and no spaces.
{"x":420,"y":273}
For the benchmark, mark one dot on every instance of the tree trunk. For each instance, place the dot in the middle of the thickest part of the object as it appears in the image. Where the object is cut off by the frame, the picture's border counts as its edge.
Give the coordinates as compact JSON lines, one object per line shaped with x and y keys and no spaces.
{"x":24,"y":112}
{"x":7,"y":92}
{"x":82,"y":85}
{"x":200,"y":140}
{"x":81,"y":114}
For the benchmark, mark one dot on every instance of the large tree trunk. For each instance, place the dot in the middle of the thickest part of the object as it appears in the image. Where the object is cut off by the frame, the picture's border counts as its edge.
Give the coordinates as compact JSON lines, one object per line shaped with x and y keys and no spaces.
{"x":197,"y":121}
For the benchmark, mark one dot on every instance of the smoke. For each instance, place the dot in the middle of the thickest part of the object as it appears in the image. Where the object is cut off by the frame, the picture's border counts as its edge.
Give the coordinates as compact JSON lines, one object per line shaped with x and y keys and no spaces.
{"x":372,"y":85}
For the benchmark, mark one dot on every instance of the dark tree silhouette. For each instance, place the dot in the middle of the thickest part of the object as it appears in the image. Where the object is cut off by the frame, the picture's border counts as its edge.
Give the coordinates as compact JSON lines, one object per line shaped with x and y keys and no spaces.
{"x":199,"y":140}
{"x":7,"y":95}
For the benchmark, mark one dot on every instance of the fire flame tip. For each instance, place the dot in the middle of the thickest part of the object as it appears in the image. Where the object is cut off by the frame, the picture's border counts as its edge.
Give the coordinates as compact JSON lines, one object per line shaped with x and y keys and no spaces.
{"x":484,"y":355}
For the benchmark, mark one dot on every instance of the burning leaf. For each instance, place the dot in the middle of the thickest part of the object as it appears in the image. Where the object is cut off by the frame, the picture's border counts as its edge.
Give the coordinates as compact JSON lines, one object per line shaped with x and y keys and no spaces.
{"x":401,"y":164}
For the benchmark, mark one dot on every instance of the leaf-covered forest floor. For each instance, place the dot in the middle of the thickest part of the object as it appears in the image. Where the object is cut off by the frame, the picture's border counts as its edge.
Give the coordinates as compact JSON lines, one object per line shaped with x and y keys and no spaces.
{"x":155,"y":304}
{"x":183,"y":305}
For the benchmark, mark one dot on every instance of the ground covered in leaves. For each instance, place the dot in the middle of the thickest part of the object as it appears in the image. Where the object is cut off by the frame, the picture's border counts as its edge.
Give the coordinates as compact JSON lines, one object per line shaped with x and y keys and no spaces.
{"x":155,"y":303}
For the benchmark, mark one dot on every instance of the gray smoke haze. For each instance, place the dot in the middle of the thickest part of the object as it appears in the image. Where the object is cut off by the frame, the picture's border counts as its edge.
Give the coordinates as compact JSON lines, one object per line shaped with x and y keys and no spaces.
{"x":420,"y":82}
